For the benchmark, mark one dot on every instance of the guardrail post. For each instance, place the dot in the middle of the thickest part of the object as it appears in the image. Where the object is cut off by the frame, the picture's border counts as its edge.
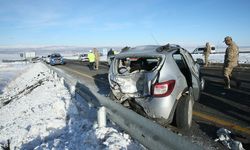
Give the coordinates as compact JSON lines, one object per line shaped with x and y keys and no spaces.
{"x":101,"y":116}
{"x":73,"y":91}
{"x":55,"y":75}
{"x":62,"y":80}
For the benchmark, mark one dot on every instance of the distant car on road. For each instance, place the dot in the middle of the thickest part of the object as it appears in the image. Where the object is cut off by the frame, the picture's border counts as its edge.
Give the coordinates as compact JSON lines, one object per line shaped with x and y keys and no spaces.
{"x":83,"y":57}
{"x":47,"y":59}
{"x":56,"y":59}
{"x":200,"y":50}
{"x":160,"y":82}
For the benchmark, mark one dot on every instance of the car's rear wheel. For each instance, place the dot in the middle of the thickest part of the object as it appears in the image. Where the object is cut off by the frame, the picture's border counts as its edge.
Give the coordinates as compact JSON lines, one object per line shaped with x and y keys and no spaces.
{"x":184,"y":112}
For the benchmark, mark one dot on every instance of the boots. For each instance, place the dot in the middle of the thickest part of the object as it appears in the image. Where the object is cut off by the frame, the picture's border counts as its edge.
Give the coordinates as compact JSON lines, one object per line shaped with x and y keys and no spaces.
{"x":227,"y":83}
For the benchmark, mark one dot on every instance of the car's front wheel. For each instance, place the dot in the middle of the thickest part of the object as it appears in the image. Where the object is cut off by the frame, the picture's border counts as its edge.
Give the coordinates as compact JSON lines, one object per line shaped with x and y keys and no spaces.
{"x":184,"y":111}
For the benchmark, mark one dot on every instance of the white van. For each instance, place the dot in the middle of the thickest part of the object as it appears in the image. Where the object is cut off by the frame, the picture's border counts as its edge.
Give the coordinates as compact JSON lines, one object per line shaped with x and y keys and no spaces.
{"x":200,"y":50}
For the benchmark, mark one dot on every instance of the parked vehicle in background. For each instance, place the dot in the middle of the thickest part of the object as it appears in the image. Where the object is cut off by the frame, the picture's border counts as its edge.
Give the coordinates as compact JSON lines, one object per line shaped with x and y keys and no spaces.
{"x":200,"y":50}
{"x":83,"y":57}
{"x":47,"y":59}
{"x":56,"y":59}
{"x":159,"y":82}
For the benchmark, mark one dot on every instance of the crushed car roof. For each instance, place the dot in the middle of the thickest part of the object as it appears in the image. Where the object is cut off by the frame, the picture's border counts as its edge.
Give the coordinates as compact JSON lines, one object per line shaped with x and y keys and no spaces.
{"x":149,"y":49}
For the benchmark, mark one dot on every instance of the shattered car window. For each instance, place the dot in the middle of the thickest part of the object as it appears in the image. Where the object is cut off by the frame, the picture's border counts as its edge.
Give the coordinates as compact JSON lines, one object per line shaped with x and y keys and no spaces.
{"x":137,"y":64}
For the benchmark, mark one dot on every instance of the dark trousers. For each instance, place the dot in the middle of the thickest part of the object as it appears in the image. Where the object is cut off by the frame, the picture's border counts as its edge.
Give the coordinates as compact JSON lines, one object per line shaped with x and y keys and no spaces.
{"x":91,"y":65}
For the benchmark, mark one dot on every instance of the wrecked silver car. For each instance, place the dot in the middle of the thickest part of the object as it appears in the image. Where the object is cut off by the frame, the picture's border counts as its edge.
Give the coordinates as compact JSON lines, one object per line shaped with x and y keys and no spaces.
{"x":160,"y":82}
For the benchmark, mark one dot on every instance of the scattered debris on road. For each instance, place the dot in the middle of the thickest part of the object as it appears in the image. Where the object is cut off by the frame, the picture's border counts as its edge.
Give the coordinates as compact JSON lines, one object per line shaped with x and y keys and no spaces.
{"x":224,"y":136}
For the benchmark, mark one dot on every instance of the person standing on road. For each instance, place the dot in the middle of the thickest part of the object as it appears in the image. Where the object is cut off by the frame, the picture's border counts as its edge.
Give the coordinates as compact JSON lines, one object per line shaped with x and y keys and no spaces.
{"x":97,"y":58}
{"x":91,"y":57}
{"x":207,"y":52}
{"x":110,"y":56}
{"x":230,"y":60}
{"x":110,"y":52}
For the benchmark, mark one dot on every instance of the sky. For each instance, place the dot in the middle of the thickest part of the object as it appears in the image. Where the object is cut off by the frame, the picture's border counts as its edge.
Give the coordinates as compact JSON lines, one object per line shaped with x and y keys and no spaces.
{"x":123,"y":23}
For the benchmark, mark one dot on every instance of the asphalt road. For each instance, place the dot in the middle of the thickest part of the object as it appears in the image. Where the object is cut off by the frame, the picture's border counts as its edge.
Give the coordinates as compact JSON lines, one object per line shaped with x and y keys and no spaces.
{"x":216,"y":108}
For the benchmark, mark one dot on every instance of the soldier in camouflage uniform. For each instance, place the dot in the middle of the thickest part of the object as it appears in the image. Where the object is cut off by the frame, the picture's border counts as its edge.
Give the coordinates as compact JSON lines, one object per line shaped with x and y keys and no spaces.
{"x":97,"y":58}
{"x":207,"y":52}
{"x":230,"y":60}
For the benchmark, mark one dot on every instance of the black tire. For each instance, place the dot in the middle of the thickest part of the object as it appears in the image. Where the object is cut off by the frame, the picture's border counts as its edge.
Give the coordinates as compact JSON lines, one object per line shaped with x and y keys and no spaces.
{"x":184,"y":112}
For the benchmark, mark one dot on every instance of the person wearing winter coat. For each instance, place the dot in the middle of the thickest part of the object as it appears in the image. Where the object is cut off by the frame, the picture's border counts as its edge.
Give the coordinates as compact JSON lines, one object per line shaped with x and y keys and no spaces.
{"x":230,"y":60}
{"x":97,"y":58}
{"x":207,"y":52}
{"x":91,"y":58}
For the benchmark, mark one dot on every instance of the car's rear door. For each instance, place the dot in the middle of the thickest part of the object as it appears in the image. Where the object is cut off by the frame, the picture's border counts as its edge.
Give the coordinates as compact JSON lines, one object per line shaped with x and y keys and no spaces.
{"x":194,"y":73}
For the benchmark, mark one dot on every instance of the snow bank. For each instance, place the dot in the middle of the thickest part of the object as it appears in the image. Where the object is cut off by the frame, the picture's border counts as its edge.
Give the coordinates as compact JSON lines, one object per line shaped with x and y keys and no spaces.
{"x":38,"y":112}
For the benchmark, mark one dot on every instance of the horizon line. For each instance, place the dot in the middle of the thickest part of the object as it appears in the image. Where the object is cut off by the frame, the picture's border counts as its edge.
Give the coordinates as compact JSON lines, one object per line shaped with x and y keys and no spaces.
{"x":83,"y":46}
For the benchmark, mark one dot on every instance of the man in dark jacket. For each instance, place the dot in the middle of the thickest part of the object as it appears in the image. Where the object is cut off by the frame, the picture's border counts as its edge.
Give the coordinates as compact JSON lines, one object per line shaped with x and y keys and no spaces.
{"x":111,"y":52}
{"x":110,"y":56}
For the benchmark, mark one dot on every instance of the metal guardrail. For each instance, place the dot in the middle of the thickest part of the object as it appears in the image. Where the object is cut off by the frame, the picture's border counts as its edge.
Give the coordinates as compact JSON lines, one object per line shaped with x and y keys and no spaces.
{"x":147,"y":132}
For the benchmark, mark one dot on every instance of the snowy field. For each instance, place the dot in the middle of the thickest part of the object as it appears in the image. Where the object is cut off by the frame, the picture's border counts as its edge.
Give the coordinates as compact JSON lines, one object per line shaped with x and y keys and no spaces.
{"x":9,"y":71}
{"x":74,"y":54}
{"x":38,"y":112}
{"x":244,"y":58}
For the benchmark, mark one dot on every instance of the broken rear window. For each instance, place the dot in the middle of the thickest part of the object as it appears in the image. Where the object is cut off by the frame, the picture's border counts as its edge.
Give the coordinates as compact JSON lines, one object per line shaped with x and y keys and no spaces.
{"x":137,"y":64}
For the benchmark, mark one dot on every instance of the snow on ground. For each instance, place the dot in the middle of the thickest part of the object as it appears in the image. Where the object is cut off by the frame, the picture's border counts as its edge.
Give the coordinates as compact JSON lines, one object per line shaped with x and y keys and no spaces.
{"x":244,"y":58}
{"x":9,"y":71}
{"x":38,"y":112}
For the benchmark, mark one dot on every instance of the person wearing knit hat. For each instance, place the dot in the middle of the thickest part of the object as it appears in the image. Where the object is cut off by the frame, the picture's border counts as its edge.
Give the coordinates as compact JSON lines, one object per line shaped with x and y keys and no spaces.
{"x":230,"y":60}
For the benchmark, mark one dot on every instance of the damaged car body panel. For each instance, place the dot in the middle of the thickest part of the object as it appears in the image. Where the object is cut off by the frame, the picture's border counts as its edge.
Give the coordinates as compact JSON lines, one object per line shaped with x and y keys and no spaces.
{"x":152,"y":79}
{"x":132,"y":76}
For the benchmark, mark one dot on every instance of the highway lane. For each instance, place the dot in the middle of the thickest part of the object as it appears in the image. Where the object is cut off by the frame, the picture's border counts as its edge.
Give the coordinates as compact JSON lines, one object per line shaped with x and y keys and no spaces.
{"x":217,"y":107}
{"x":240,"y":76}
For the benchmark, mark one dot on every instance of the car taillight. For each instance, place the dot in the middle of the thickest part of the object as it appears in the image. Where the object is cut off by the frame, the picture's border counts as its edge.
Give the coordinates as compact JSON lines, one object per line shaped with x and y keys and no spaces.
{"x":164,"y":88}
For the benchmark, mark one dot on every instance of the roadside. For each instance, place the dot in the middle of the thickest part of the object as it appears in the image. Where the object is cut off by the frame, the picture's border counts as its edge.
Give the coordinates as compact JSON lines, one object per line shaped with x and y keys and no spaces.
{"x":97,"y":82}
{"x":42,"y":114}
